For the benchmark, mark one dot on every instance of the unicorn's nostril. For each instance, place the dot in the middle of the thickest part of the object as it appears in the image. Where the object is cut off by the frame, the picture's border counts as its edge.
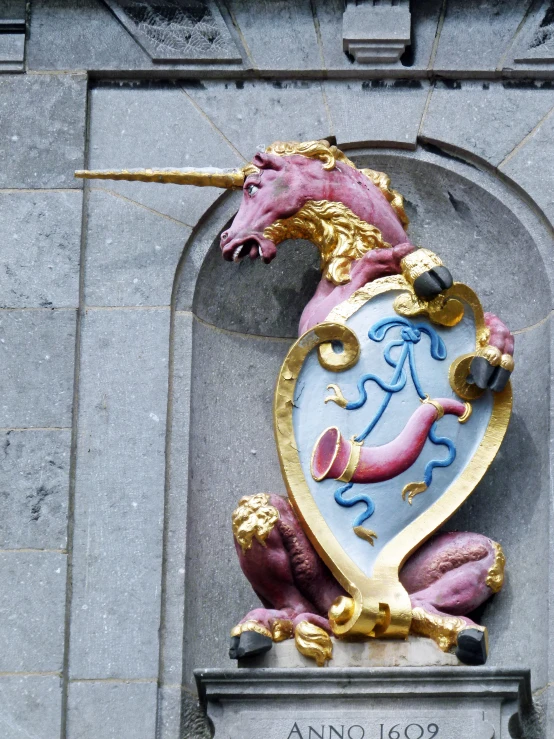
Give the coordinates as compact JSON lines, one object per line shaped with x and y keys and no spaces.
{"x":225,"y":235}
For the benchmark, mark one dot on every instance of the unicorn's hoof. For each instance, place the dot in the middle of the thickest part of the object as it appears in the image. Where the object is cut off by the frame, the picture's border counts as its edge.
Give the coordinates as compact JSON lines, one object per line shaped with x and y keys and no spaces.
{"x":433,"y":282}
{"x":233,"y":647}
{"x":250,"y":644}
{"x":486,"y":374}
{"x":472,"y":646}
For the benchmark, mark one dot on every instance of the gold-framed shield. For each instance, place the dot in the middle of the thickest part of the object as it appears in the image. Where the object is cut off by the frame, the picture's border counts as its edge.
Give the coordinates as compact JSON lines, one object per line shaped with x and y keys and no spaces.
{"x":368,"y":479}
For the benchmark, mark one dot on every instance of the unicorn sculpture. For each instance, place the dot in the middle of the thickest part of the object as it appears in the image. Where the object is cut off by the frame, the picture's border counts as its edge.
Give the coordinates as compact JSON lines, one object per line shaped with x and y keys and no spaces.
{"x":312,"y":191}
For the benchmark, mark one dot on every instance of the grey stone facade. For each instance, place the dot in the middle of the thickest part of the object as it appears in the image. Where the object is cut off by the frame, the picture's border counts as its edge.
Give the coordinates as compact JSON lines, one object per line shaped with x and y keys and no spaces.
{"x":138,"y":368}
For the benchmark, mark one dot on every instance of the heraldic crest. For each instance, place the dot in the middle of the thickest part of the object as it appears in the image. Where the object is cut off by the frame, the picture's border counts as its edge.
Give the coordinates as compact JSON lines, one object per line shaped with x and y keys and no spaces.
{"x":388,"y":410}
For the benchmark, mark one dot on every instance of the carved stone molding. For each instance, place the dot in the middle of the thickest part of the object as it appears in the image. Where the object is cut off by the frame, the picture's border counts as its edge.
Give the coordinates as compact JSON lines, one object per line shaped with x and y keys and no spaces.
{"x":536,"y":44}
{"x":177,"y":30}
{"x":376,"y":31}
{"x":12,"y":35}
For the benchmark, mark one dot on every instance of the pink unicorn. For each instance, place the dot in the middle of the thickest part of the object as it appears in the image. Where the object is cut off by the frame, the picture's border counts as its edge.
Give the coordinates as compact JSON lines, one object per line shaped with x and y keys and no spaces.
{"x":311,"y":190}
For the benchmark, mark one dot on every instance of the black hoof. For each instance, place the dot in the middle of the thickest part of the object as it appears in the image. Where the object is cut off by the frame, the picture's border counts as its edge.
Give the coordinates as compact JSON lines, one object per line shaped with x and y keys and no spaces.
{"x":481,"y":372}
{"x":484,"y":375}
{"x":499,"y":379}
{"x":472,"y":647}
{"x":432,"y":283}
{"x":444,"y":277}
{"x":233,"y":646}
{"x":249,"y":644}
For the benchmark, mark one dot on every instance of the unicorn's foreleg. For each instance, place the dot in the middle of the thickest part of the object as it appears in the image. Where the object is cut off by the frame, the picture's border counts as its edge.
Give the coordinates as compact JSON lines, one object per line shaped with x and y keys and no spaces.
{"x":284,"y":570}
{"x":494,"y":363}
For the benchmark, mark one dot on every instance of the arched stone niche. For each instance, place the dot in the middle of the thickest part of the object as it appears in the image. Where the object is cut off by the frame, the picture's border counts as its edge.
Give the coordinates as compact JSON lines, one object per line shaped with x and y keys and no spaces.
{"x":232,"y":327}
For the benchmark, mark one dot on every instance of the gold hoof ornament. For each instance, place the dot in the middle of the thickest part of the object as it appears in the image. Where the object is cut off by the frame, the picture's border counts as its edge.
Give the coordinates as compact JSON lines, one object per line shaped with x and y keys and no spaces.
{"x":314,"y":642}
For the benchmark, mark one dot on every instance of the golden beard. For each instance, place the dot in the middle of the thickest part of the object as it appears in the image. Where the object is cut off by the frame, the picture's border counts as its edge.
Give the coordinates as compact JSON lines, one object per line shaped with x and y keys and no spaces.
{"x":339,"y":234}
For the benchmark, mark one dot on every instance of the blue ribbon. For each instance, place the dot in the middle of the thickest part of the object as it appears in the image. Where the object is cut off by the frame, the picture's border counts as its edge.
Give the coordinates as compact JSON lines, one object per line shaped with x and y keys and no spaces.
{"x":410,"y":336}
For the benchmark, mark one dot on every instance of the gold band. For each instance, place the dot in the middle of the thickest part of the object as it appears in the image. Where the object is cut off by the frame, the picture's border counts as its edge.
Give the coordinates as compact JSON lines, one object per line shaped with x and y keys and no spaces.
{"x":507,"y":362}
{"x":491,"y":353}
{"x":435,"y":404}
{"x":250,"y":626}
{"x":353,"y":460}
{"x":419,"y":261}
{"x":466,"y":414}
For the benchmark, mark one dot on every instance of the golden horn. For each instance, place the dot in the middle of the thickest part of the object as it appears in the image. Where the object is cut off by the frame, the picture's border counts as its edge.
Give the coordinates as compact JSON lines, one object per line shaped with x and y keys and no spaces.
{"x":224,"y":178}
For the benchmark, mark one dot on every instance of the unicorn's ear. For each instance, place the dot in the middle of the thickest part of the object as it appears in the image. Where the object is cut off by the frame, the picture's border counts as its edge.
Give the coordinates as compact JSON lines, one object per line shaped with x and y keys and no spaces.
{"x":264,"y":160}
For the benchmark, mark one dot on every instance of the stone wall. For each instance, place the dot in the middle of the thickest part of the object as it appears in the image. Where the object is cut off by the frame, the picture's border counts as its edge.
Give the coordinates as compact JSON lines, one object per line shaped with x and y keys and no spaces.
{"x":139,"y":368}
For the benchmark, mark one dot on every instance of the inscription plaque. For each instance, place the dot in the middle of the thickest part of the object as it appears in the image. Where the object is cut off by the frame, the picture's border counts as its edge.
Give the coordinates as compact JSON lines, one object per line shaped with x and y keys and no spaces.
{"x":359,"y":703}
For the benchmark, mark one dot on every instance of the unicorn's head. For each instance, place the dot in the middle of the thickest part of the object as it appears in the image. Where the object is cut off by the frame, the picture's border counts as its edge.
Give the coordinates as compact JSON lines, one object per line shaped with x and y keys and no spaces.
{"x":311,"y":190}
{"x":308,"y":190}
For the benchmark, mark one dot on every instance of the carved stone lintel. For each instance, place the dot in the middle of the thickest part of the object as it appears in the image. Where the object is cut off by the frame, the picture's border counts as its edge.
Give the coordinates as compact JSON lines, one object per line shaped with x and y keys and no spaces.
{"x":376,"y":33}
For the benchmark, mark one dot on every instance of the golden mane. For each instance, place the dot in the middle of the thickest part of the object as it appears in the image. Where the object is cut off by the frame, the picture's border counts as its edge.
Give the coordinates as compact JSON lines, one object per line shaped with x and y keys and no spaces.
{"x":329,"y":155}
{"x":339,"y":234}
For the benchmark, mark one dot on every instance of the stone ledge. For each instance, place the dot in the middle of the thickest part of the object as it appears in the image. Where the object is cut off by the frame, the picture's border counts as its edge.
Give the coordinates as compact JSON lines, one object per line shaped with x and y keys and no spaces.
{"x":457,"y":702}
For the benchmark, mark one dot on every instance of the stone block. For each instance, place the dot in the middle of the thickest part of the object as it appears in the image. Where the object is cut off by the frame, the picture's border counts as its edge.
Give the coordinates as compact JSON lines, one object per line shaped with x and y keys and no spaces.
{"x":132,"y":252}
{"x":279,"y":34}
{"x":119,"y":494}
{"x":30,"y":706}
{"x":415,"y":651}
{"x":424,"y":16}
{"x":121,"y":710}
{"x":13,"y":13}
{"x":41,"y":241}
{"x":376,"y":33}
{"x":42,"y":130}
{"x":377,"y":112}
{"x":450,"y":701}
{"x":156,"y":126}
{"x":12,"y":47}
{"x":32,"y":609}
{"x":34,"y":488}
{"x":253,"y":114}
{"x":37,"y":352}
{"x":86,"y":35}
{"x":232,"y":453}
{"x":486,"y":119}
{"x":476,"y":36}
{"x":527,"y":167}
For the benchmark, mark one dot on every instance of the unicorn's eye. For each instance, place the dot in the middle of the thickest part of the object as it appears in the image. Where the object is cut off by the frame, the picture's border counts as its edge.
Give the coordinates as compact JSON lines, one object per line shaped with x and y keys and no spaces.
{"x":251,"y":189}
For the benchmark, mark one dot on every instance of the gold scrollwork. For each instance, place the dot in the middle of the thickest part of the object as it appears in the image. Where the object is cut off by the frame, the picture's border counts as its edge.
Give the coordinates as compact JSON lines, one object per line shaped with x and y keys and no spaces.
{"x":495,"y":576}
{"x":442,"y":310}
{"x":376,"y":605}
{"x":250,"y":625}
